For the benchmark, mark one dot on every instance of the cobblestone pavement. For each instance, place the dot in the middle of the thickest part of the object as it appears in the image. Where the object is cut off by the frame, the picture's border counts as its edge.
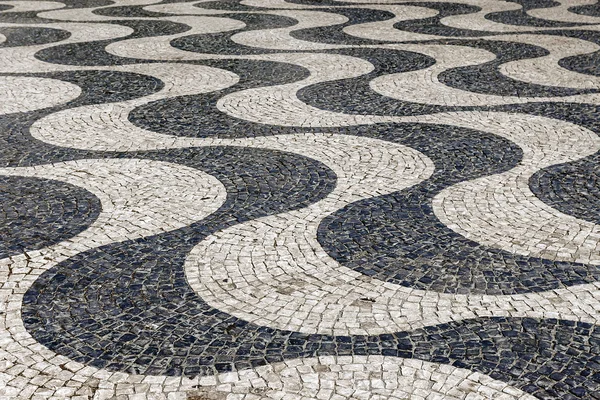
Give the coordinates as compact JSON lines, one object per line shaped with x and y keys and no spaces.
{"x":300,"y":199}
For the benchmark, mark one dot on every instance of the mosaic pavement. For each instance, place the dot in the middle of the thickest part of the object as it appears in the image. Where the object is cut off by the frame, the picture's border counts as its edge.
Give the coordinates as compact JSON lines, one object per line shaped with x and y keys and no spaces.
{"x":300,"y":199}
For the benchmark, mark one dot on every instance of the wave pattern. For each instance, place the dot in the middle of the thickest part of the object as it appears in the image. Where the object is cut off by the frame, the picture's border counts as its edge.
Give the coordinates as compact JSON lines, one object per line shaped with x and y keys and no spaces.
{"x":246,"y":199}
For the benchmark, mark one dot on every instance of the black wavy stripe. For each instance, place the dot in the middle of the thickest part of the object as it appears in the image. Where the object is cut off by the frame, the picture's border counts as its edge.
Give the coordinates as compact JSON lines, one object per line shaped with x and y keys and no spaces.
{"x":186,"y":120}
{"x":521,"y":18}
{"x":334,"y":34}
{"x":36,"y":213}
{"x":221,"y":43}
{"x":229,"y":5}
{"x":154,"y":325}
{"x":584,"y":63}
{"x":482,"y":78}
{"x":593,"y":10}
{"x":86,"y":3}
{"x":29,"y":36}
{"x":135,"y":310}
{"x":572,"y":188}
{"x":433,"y":26}
{"x":333,"y":95}
{"x":397,"y":238}
{"x":129,"y":12}
{"x":486,"y":78}
{"x":550,"y":359}
{"x":23,"y":17}
{"x":93,"y":53}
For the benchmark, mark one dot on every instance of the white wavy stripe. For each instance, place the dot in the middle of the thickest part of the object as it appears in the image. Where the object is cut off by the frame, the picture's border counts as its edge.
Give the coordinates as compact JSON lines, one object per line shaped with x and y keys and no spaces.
{"x":277,"y":274}
{"x":545,"y":70}
{"x":22,"y":94}
{"x":473,"y":21}
{"x":159,"y":48}
{"x":279,"y":105}
{"x":280,"y":39}
{"x":501,"y":211}
{"x":139,"y":198}
{"x":478,"y":22}
{"x":561,"y":12}
{"x":385,"y":31}
{"x":106,"y":126}
{"x":357,"y":377}
{"x":342,"y":377}
{"x":423,"y":86}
